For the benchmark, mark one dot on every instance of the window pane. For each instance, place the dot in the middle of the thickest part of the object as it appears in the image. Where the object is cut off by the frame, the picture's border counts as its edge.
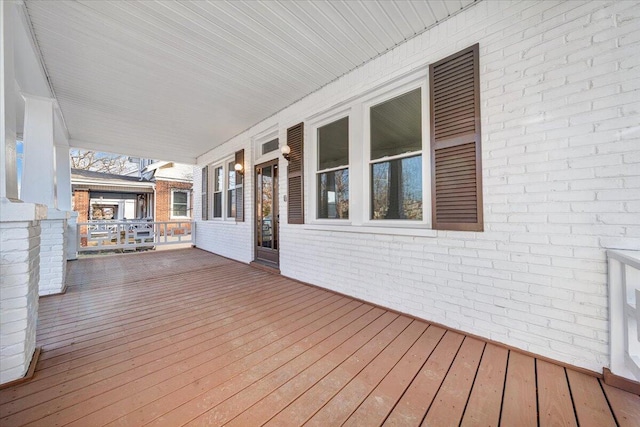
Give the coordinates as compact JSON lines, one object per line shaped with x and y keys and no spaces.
{"x":180,"y":197}
{"x":270,"y":146}
{"x":232,"y":176}
{"x":397,"y":189}
{"x":333,"y":194}
{"x":396,"y":126}
{"x":217,"y":205}
{"x":218,"y":178}
{"x":333,"y":144}
{"x":180,"y":210}
{"x":231,"y":203}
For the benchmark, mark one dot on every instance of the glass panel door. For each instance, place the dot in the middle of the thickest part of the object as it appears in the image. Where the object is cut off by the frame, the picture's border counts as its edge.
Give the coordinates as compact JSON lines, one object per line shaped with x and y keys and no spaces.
{"x":267,"y":212}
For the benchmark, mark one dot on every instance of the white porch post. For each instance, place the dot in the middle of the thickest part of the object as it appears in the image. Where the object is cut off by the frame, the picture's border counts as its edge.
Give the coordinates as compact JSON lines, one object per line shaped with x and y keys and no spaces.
{"x":38,"y":177}
{"x":19,"y":228}
{"x":63,"y":193}
{"x":39,"y":181}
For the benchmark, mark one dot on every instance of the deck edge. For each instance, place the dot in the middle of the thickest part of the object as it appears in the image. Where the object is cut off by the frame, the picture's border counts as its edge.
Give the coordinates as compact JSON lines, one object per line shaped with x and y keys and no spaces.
{"x":620,"y":382}
{"x":30,"y":371}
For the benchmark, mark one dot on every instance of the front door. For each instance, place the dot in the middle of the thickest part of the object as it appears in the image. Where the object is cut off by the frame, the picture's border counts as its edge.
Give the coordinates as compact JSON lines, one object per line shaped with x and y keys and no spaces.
{"x":267,"y":217}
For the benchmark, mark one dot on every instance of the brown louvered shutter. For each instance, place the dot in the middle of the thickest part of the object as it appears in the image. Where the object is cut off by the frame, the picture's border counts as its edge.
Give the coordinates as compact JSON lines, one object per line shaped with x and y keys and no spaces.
{"x":456,"y":155}
{"x":205,"y":186}
{"x":295,"y":200}
{"x":240,"y":186}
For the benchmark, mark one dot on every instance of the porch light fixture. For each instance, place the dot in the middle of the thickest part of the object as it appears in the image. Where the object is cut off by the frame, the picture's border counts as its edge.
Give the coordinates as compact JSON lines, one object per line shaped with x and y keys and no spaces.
{"x":238,"y":167}
{"x":285,"y":152}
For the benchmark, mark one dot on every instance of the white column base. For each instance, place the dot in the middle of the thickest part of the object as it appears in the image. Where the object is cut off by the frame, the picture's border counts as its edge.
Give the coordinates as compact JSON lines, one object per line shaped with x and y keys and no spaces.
{"x":20,"y":271}
{"x":53,"y":256}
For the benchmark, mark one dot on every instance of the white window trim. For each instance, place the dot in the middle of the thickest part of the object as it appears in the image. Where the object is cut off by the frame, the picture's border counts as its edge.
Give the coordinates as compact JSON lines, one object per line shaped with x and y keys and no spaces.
{"x":357,"y":109}
{"x":224,"y":164}
{"x":319,"y":122}
{"x":231,"y":160}
{"x":399,"y":90}
{"x":212,"y":186}
{"x":273,"y":132}
{"x":181,"y":190}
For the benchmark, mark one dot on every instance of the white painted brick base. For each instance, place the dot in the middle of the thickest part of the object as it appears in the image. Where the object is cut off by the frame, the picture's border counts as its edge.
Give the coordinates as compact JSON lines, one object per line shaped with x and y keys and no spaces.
{"x":53,"y":256}
{"x":560,"y":91}
{"x":19,"y":269}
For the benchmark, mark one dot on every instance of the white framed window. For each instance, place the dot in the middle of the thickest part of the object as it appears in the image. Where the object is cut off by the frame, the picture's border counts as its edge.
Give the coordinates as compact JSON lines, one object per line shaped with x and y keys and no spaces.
{"x":180,"y":203}
{"x":332,"y":169}
{"x":231,"y":190}
{"x":217,"y":191}
{"x":223,"y":187}
{"x":395,"y":158}
{"x":396,"y":169}
{"x":388,"y":168}
{"x":266,"y":144}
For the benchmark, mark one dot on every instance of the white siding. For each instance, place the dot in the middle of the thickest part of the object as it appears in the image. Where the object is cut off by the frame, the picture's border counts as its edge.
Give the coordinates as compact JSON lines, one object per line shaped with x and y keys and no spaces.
{"x":561,"y":167}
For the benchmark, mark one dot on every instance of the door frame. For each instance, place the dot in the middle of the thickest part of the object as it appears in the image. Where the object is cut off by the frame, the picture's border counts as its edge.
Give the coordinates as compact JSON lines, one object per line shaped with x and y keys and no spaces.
{"x":267,"y":255}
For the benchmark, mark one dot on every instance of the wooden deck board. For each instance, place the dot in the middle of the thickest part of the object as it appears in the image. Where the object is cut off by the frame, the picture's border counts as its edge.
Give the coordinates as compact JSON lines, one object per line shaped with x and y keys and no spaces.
{"x":451,"y":400}
{"x":554,"y":397}
{"x":589,"y":401}
{"x":279,"y":399}
{"x":344,"y":403}
{"x":413,"y":406}
{"x":194,"y":373}
{"x":520,"y":403}
{"x":625,"y":406}
{"x":323,"y":391}
{"x":218,"y":342}
{"x":485,"y":401}
{"x":375,"y":409}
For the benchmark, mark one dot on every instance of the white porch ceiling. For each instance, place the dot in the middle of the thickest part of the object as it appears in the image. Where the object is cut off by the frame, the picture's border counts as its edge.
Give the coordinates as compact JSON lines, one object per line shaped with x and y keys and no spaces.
{"x":172,"y":79}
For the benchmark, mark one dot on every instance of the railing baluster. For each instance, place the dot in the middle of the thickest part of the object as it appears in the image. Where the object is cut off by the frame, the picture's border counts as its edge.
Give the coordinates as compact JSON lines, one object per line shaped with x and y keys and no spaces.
{"x":131,"y":235}
{"x":624,"y":313}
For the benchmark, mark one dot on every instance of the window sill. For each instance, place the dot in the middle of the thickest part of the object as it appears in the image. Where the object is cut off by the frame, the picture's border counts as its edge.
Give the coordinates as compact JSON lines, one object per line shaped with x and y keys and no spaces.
{"x":347,"y":227}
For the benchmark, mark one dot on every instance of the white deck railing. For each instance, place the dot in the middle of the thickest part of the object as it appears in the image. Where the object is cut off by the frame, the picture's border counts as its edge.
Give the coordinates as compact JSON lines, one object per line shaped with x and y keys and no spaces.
{"x":624,"y":313}
{"x":131,"y":235}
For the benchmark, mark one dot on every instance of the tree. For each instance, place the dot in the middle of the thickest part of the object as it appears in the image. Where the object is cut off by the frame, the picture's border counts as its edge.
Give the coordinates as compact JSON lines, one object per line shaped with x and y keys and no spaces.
{"x":98,"y":162}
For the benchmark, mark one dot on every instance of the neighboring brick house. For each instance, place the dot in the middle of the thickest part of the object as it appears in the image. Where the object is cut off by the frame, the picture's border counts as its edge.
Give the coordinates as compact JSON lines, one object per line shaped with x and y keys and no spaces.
{"x":104,"y":196}
{"x":173,"y":183}
{"x":161,"y":192}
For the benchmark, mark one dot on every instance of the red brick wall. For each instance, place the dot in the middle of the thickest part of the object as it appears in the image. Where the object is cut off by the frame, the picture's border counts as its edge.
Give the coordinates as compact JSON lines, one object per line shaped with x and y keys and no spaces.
{"x":163,"y":199}
{"x":81,"y":204}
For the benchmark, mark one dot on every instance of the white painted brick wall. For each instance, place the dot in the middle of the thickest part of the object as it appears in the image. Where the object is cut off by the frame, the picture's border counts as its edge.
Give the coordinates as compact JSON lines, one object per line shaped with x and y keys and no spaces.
{"x":53,"y":261}
{"x":225,"y":237}
{"x":19,"y":269}
{"x":560,"y":91}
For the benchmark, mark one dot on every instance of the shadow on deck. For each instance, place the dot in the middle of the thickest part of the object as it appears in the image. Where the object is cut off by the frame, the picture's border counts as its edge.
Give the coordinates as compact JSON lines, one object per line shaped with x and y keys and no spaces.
{"x":187,"y":337}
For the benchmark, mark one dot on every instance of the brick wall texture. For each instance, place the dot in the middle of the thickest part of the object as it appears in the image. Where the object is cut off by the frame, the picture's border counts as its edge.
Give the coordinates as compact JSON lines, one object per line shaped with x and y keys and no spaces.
{"x":163,"y":198}
{"x":19,"y":267}
{"x":53,"y":261}
{"x":80,"y":204}
{"x":560,"y":95}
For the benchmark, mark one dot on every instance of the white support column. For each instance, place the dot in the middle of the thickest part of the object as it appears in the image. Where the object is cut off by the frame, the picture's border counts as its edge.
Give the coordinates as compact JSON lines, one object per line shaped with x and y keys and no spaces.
{"x":39,"y":178}
{"x":8,"y":173}
{"x":63,"y":178}
{"x":38,"y":175}
{"x":63,"y":199}
{"x":19,"y":227}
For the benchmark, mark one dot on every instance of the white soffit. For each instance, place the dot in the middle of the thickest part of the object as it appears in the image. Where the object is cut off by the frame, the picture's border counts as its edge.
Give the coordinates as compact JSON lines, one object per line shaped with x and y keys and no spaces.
{"x":171,"y":80}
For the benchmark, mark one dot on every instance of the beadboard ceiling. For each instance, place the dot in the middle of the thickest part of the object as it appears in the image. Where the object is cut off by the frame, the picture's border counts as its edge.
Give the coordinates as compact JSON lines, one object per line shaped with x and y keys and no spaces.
{"x":173,"y":79}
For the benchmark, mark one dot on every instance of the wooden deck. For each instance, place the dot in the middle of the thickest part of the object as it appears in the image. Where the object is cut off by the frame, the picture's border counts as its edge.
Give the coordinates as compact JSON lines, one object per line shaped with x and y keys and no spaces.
{"x":186,"y":337}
